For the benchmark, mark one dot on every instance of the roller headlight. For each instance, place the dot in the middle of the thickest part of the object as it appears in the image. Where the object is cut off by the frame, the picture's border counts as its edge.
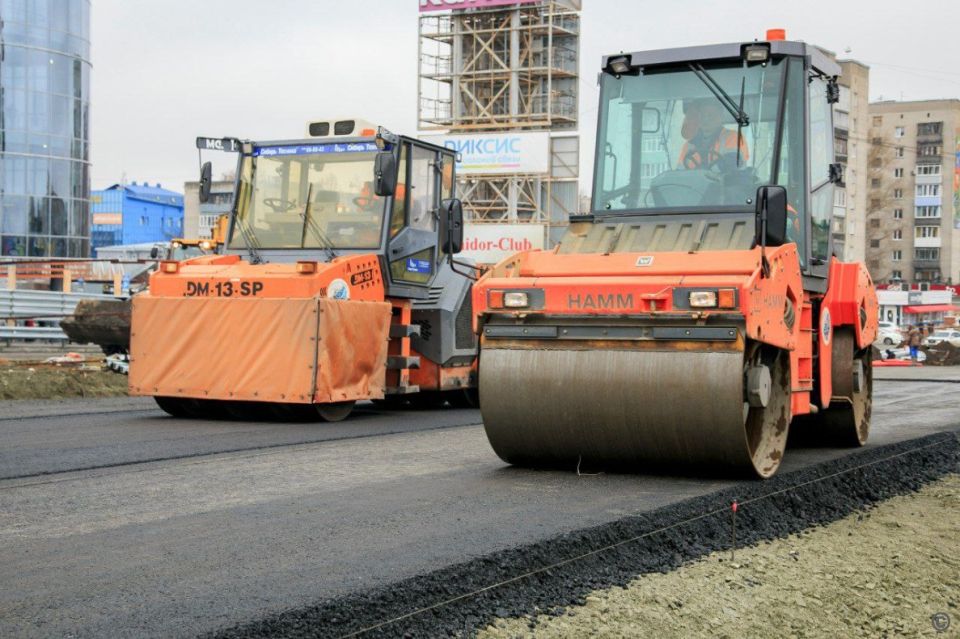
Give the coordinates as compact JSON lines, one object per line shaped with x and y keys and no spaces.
{"x":703,"y":299}
{"x":515,"y":299}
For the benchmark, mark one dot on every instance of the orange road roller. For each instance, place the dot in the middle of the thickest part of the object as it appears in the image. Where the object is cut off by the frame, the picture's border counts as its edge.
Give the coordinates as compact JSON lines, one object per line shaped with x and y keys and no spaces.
{"x":700,"y":310}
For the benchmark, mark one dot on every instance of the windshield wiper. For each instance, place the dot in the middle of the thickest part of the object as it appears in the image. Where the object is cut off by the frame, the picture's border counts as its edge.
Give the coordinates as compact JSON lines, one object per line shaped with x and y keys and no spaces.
{"x":308,"y":223}
{"x":250,"y":239}
{"x":721,"y":95}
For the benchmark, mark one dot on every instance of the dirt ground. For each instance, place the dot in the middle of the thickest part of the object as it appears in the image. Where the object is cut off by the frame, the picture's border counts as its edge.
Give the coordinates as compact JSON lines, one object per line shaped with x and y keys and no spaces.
{"x":47,"y":382}
{"x":882,"y":573}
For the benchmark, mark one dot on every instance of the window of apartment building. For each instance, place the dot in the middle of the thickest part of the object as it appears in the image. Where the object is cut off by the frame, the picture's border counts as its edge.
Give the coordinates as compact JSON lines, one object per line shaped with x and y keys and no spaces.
{"x":874,"y":205}
{"x":897,"y":256}
{"x":898,"y":132}
{"x":144,"y":220}
{"x":896,"y":275}
{"x":926,"y":254}
{"x":927,"y":231}
{"x":875,"y":183}
{"x":929,"y":128}
{"x":927,"y":211}
{"x":898,"y":234}
{"x":898,"y":173}
{"x":876,"y":141}
{"x":877,"y":120}
{"x":874,"y":243}
{"x":899,"y":152}
{"x":838,"y":225}
{"x":875,"y":223}
{"x":898,"y":214}
{"x":928,"y":150}
{"x":897,"y":194}
{"x":840,"y":197}
{"x":928,"y":169}
{"x":928,"y":190}
{"x":840,"y":146}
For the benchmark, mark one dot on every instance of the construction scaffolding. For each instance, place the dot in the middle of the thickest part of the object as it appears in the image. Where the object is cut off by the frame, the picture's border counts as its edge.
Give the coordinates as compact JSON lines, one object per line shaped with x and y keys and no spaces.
{"x":500,"y":70}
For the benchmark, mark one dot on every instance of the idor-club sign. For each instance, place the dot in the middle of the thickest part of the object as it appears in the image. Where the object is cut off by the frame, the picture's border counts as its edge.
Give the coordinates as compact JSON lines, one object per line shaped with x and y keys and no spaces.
{"x":490,"y":243}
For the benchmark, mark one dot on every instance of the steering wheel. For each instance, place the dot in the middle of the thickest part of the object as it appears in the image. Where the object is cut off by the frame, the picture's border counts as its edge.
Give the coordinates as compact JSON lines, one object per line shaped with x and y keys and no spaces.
{"x":278,"y":204}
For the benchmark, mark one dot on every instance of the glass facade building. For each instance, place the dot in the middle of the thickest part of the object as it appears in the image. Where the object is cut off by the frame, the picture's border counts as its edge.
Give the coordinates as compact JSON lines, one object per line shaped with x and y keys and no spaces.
{"x":44,"y":128}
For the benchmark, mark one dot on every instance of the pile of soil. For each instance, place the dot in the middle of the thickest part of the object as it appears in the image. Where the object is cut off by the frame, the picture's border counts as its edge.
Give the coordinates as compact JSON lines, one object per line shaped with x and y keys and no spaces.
{"x":52,"y":382}
{"x":883,"y":572}
{"x":942,"y":354}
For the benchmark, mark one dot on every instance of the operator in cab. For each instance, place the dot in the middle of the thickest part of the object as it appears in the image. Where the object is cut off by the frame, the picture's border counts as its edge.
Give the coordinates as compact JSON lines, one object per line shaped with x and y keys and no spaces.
{"x":707,"y":141}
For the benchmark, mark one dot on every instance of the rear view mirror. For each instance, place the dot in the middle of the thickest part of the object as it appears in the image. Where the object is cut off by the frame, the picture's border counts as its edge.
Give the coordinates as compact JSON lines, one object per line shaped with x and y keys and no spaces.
{"x":771,"y":216}
{"x":384,"y":174}
{"x":154,"y":252}
{"x":206,"y":173}
{"x":451,"y":226}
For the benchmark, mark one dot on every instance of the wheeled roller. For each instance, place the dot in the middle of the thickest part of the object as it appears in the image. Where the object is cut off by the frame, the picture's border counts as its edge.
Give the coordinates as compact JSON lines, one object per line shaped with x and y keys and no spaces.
{"x":725,"y":410}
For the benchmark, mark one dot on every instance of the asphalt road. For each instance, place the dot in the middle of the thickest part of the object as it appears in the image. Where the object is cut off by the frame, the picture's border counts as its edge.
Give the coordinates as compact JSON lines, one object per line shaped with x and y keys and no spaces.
{"x":118,"y":521}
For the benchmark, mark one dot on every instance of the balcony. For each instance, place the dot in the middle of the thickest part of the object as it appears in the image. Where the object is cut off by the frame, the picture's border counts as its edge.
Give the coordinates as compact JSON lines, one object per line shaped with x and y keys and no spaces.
{"x":927,"y":200}
{"x":926,"y":264}
{"x":926,"y":242}
{"x":930,"y":179}
{"x":929,"y":159}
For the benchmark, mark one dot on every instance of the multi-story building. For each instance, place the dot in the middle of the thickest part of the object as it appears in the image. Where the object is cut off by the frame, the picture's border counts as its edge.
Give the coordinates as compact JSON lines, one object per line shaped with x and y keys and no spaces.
{"x":913,"y":209}
{"x":851,"y":120}
{"x":200,"y":219}
{"x":44,"y":128}
{"x":135,"y":214}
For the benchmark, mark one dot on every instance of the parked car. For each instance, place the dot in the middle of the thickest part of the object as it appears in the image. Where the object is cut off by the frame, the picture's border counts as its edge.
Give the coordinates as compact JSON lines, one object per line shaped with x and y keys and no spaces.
{"x":943,"y":335}
{"x":889,"y":335}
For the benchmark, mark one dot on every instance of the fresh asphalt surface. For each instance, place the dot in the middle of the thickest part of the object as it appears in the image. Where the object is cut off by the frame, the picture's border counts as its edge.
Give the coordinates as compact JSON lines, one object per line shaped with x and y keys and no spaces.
{"x":116,"y":520}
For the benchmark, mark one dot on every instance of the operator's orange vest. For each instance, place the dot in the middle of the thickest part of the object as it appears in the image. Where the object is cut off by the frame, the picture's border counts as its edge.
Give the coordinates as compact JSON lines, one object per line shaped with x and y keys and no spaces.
{"x":726,"y":142}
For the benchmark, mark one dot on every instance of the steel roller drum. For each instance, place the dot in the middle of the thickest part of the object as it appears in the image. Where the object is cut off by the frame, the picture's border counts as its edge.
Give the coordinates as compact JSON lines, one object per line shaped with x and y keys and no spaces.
{"x":633,"y":408}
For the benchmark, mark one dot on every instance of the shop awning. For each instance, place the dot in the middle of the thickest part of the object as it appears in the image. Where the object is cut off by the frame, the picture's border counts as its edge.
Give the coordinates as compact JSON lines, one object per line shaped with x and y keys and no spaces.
{"x":931,"y":308}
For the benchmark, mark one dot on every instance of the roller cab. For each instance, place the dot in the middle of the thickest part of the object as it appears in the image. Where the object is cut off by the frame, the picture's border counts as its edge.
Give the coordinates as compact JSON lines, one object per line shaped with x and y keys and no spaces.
{"x":331,"y":272}
{"x":697,"y":309}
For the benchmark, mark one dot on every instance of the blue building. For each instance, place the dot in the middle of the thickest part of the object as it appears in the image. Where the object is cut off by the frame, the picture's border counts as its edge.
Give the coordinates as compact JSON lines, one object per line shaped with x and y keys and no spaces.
{"x":44,"y":127}
{"x":135,"y":213}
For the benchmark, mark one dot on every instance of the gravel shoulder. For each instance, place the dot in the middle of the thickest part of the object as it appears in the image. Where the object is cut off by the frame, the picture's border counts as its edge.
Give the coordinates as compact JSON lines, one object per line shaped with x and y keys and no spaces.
{"x":881,"y":572}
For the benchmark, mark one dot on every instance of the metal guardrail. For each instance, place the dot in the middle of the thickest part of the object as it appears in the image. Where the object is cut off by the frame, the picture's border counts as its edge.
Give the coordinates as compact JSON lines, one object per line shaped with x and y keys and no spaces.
{"x":45,"y":306}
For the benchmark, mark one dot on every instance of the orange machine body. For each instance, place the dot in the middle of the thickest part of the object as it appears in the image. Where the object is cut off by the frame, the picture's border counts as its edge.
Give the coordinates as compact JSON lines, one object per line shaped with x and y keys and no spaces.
{"x":653,"y":289}
{"x":217,"y":327}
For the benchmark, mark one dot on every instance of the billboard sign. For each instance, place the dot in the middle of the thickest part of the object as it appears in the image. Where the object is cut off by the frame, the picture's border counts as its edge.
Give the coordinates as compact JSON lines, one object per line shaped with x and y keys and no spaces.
{"x":447,"y":5}
{"x":490,"y":243}
{"x":498,"y":153}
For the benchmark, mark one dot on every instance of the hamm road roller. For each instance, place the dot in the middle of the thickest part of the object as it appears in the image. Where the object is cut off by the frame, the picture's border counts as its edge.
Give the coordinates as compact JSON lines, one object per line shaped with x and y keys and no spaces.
{"x":698,"y":311}
{"x":333,"y":286}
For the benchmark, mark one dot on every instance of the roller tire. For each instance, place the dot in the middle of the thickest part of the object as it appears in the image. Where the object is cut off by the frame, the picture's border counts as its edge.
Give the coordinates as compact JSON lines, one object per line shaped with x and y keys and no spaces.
{"x":174,"y":406}
{"x":334,"y":412}
{"x":846,"y":422}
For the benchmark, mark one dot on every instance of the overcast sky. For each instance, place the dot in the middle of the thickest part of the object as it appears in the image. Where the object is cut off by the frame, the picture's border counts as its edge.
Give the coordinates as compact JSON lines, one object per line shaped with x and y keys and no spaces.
{"x":166,"y":72}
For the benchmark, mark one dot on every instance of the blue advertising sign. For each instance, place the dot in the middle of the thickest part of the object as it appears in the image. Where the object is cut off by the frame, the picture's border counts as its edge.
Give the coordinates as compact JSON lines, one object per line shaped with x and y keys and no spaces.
{"x":314,"y":149}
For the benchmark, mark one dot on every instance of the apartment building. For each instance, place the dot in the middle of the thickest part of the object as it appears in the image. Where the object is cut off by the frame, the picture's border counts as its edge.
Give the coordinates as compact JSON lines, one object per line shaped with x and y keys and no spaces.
{"x":913,"y":208}
{"x":851,"y":122}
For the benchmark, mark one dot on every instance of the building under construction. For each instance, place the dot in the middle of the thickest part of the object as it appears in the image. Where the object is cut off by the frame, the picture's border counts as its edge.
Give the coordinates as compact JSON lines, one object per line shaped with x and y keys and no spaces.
{"x":501,"y":82}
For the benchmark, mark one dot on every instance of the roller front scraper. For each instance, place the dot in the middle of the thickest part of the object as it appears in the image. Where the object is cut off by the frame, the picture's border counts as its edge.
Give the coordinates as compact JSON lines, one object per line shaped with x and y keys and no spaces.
{"x":699,"y":311}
